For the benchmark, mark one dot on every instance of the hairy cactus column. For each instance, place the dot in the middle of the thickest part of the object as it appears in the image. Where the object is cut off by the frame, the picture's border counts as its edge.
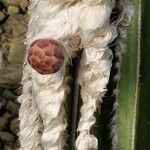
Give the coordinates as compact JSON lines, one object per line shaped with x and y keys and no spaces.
{"x":49,"y":90}
{"x":49,"y":38}
{"x":94,"y":73}
{"x":30,"y":121}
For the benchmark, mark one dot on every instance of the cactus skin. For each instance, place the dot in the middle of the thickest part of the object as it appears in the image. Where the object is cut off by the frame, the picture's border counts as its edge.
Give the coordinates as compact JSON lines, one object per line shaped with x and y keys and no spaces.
{"x":123,"y":12}
{"x":143,"y":128}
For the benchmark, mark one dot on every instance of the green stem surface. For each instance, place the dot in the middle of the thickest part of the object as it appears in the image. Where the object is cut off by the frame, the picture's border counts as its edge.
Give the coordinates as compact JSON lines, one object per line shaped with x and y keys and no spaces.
{"x":129,"y":84}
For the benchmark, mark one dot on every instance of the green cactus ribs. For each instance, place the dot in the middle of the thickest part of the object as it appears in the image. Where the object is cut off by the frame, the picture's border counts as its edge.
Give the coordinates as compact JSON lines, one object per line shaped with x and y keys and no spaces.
{"x":46,"y":56}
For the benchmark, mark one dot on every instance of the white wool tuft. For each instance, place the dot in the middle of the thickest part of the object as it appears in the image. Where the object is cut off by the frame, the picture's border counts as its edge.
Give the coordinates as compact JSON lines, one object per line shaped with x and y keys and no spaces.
{"x":30,"y":122}
{"x":94,"y":72}
{"x":89,"y":142}
{"x":75,"y":24}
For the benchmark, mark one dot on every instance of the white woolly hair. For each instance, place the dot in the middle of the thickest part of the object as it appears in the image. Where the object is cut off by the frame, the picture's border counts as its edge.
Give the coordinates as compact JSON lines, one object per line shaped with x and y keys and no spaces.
{"x":94,"y":70}
{"x":75,"y":24}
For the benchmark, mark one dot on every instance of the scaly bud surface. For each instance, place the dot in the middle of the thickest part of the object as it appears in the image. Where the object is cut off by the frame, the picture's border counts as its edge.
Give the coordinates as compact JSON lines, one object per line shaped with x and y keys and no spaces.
{"x":46,"y":56}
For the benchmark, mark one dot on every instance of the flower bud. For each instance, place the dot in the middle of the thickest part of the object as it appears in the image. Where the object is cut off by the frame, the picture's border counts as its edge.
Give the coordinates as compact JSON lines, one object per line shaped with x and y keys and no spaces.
{"x":46,"y":56}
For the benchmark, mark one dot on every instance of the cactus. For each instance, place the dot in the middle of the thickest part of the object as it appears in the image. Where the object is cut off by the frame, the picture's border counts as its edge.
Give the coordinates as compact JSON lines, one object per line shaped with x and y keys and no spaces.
{"x":129,"y":84}
{"x":143,"y":123}
{"x":46,"y":85}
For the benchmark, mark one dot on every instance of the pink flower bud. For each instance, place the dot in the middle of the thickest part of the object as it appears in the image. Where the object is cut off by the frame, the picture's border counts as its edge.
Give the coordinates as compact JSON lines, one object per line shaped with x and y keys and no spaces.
{"x":46,"y":56}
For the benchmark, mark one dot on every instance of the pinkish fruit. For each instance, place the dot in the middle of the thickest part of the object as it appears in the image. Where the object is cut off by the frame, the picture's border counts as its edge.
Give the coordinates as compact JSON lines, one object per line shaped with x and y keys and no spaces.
{"x":46,"y":56}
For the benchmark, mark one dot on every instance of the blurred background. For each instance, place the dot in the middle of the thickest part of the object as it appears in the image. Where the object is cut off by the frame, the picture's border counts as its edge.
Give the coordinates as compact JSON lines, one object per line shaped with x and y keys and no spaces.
{"x":13,"y":20}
